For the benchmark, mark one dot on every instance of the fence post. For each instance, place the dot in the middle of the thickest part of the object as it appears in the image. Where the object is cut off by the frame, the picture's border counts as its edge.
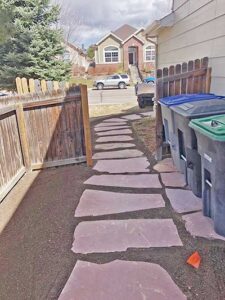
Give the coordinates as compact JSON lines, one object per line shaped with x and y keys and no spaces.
{"x":43,"y":86}
{"x":86,"y":122}
{"x":23,"y":135}
{"x":25,"y":86}
{"x":208,"y":80}
{"x":19,"y":86}
{"x":31,"y":86}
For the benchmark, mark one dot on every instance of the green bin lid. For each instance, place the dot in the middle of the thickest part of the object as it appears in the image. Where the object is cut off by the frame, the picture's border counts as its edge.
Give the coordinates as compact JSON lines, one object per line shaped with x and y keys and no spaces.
{"x":213,"y":127}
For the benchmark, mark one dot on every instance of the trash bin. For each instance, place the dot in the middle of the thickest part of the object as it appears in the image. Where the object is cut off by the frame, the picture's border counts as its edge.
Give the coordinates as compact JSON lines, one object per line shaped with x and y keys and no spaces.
{"x":185,"y":146}
{"x":210,"y":134}
{"x":168,"y":118}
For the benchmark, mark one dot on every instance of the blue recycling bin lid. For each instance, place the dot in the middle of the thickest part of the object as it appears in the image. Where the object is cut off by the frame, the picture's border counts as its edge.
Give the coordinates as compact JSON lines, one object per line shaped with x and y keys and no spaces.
{"x":186,"y":98}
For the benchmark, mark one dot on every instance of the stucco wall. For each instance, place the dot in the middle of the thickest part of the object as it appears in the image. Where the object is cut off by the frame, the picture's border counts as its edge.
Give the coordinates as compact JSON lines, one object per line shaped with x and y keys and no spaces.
{"x":110,"y":41}
{"x":199,"y":31}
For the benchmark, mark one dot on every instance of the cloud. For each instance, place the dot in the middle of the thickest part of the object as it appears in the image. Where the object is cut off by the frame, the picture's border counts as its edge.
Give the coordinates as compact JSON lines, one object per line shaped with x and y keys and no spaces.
{"x":90,"y":20}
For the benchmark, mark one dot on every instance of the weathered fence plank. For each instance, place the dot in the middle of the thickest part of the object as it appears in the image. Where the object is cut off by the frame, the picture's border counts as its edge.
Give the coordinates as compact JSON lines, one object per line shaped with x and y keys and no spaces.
{"x":32,"y":86}
{"x":11,"y":159}
{"x":87,"y":131}
{"x":43,"y":130}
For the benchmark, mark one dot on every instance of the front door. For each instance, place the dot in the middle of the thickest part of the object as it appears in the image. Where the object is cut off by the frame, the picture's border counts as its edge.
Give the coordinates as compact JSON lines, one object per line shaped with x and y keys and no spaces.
{"x":131,"y":58}
{"x":132,"y":55}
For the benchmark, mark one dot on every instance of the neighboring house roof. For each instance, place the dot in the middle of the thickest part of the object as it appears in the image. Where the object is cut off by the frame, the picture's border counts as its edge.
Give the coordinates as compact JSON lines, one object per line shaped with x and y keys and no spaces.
{"x":124,"y":31}
{"x":108,"y":35}
{"x":135,"y":36}
{"x":123,"y":34}
{"x":79,"y":50}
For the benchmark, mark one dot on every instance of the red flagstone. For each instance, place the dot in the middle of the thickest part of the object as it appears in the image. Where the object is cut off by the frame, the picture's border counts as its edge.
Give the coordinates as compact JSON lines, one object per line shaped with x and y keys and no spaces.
{"x":105,"y":124}
{"x":132,"y":181}
{"x":199,"y":225}
{"x":165,"y":166}
{"x":114,"y":132}
{"x":175,"y":179}
{"x":132,"y":117}
{"x":113,"y":146}
{"x":130,"y":165}
{"x":118,"y":154}
{"x":119,"y":235}
{"x":100,"y":129}
{"x":114,"y":120}
{"x":183,"y":201}
{"x":148,"y":114}
{"x":120,"y":280}
{"x":97,"y":203}
{"x":117,"y":138}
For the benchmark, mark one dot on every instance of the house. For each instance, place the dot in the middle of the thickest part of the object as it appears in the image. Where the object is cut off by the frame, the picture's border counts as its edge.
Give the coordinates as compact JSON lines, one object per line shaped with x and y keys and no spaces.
{"x":192,"y":30}
{"x":123,"y":47}
{"x":77,"y":57}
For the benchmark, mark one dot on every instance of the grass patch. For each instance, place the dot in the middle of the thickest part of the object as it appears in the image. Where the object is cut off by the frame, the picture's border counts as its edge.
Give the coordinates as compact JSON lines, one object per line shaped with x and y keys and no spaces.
{"x":80,"y":80}
{"x":100,"y":110}
{"x":145,"y":131}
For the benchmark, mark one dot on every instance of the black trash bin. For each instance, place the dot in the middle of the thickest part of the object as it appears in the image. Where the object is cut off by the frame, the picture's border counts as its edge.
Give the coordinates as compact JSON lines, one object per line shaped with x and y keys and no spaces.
{"x":210,"y":134}
{"x":168,"y":119}
{"x":185,"y":140}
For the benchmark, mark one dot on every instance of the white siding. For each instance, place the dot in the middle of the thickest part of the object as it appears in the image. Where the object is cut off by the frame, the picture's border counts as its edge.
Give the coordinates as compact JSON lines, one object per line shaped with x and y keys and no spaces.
{"x":199,"y":31}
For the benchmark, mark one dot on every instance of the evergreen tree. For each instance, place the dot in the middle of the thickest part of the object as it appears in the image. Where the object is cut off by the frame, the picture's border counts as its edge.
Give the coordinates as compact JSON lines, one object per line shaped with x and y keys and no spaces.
{"x":91,"y":52}
{"x":36,"y":48}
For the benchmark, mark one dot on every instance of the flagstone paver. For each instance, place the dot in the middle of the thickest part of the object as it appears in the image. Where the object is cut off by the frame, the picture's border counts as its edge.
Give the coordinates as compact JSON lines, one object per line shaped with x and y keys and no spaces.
{"x":99,"y":129}
{"x":132,"y":117}
{"x":118,"y":154}
{"x":105,"y":124}
{"x":117,"y":138}
{"x":114,"y":120}
{"x":130,"y":165}
{"x":129,"y":181}
{"x":119,"y":235}
{"x":115,"y":132}
{"x":114,"y":146}
{"x":165,"y":166}
{"x":148,"y":114}
{"x":120,"y":280}
{"x":201,"y":226}
{"x":97,"y":203}
{"x":175,"y":179}
{"x":183,"y":201}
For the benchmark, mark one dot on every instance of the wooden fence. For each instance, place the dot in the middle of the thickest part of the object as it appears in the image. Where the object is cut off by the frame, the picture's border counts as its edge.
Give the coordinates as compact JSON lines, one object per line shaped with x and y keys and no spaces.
{"x":44,"y":131}
{"x":186,"y":78}
{"x":25,"y":86}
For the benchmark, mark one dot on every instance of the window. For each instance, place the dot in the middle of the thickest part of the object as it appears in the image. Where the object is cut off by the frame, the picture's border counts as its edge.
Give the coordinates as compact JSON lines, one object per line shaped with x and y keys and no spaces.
{"x":111,"y":54}
{"x":66,"y":55}
{"x":116,"y":77}
{"x":150,"y":53}
{"x":124,"y":76}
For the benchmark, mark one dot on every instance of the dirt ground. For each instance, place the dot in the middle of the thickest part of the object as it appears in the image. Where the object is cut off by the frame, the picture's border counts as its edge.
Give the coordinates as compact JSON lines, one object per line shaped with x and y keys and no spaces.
{"x":35,"y":255}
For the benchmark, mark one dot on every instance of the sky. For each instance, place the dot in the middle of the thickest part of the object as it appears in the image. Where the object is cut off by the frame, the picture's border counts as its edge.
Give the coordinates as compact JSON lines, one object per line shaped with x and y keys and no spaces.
{"x":87,"y":21}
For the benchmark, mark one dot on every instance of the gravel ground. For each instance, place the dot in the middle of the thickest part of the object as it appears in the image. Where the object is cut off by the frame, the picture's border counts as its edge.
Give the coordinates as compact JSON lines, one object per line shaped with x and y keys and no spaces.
{"x":35,"y":255}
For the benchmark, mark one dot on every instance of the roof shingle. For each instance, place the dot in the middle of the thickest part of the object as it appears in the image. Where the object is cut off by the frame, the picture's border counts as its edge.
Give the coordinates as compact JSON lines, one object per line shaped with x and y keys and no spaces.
{"x":124,"y":31}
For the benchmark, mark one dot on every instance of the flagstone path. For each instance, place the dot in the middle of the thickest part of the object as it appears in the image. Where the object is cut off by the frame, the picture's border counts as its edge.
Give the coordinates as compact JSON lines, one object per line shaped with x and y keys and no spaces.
{"x":130,"y":186}
{"x":120,"y":280}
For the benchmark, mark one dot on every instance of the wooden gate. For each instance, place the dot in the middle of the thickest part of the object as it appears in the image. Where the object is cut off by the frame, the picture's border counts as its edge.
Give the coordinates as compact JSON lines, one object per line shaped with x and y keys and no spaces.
{"x":39,"y":131}
{"x":186,"y":78}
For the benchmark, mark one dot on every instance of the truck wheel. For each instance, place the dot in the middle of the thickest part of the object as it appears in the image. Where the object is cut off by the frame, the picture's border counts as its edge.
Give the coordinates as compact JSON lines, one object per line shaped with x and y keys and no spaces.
{"x":141,"y":104}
